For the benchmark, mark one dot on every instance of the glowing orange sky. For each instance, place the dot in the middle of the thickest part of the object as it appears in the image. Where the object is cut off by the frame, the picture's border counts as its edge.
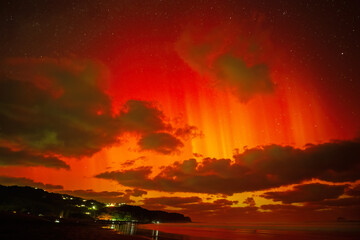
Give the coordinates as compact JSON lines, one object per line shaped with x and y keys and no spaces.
{"x":155,"y":61}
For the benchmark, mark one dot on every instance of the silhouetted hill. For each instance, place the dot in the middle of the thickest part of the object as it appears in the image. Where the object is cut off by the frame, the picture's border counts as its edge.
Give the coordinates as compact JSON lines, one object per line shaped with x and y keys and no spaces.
{"x":140,"y":214}
{"x":42,"y":203}
{"x":38,"y":202}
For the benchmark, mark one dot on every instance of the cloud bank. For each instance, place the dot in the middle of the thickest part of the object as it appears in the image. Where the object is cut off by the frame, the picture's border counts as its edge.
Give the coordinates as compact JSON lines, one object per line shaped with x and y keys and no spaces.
{"x":307,"y":193}
{"x":107,"y":196}
{"x":10,"y":157}
{"x":59,"y":108}
{"x":255,"y":169}
{"x":21,"y":181}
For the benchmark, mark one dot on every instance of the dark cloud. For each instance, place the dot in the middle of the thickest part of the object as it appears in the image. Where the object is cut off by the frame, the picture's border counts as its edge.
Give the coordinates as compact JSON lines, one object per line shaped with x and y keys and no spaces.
{"x":171,"y":201}
{"x":307,"y":193}
{"x":329,"y":209}
{"x":287,"y":207}
{"x":244,"y":81}
{"x":61,"y":108}
{"x":128,"y":163}
{"x":250,"y":201}
{"x":131,"y":162}
{"x":129,"y":177}
{"x":186,"y":204}
{"x":107,"y":196}
{"x":255,"y":169}
{"x":346,"y":202}
{"x":102,"y":196}
{"x":354,"y":191}
{"x":138,"y":192}
{"x":156,"y":134}
{"x":161,"y":142}
{"x":142,"y":117}
{"x":23,"y":158}
{"x":221,"y":209}
{"x":188,"y":132}
{"x":336,"y":161}
{"x":198,"y":155}
{"x":55,"y":106}
{"x":21,"y":181}
{"x":340,"y":202}
{"x":225,"y":64}
{"x":225,"y":202}
{"x":217,"y":210}
{"x":188,"y":176}
{"x":92,"y":194}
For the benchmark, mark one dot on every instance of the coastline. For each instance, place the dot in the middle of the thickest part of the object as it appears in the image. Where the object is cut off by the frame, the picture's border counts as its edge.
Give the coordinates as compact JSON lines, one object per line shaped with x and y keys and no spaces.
{"x":16,"y":226}
{"x":28,"y":227}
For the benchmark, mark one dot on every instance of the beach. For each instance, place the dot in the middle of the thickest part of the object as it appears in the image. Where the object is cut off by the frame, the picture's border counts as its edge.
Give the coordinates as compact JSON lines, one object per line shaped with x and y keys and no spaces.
{"x":14,"y":226}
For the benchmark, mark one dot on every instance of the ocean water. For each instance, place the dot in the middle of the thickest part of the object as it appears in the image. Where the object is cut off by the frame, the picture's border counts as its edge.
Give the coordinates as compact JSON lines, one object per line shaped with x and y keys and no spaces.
{"x":193,"y":231}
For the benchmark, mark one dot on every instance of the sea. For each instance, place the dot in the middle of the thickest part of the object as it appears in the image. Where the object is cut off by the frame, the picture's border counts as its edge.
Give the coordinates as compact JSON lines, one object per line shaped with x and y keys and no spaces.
{"x":241,"y":231}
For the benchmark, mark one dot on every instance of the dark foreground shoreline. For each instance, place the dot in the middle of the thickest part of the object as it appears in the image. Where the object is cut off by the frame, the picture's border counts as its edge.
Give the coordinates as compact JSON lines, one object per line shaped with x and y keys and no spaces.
{"x":16,"y":226}
{"x":27,"y":227}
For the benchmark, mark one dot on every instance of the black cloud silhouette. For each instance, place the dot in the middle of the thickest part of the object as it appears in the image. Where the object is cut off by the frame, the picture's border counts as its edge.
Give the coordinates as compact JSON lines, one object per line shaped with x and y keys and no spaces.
{"x":255,"y":169}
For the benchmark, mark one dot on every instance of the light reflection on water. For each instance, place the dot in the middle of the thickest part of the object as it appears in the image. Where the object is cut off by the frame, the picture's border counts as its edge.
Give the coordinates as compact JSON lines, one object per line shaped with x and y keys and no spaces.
{"x":154,"y":234}
{"x":132,"y":229}
{"x":124,"y":228}
{"x":193,"y":231}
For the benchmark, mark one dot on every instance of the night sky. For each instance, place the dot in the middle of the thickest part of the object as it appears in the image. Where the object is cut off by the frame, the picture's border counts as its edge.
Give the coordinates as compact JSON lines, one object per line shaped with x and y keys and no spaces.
{"x":244,"y":110}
